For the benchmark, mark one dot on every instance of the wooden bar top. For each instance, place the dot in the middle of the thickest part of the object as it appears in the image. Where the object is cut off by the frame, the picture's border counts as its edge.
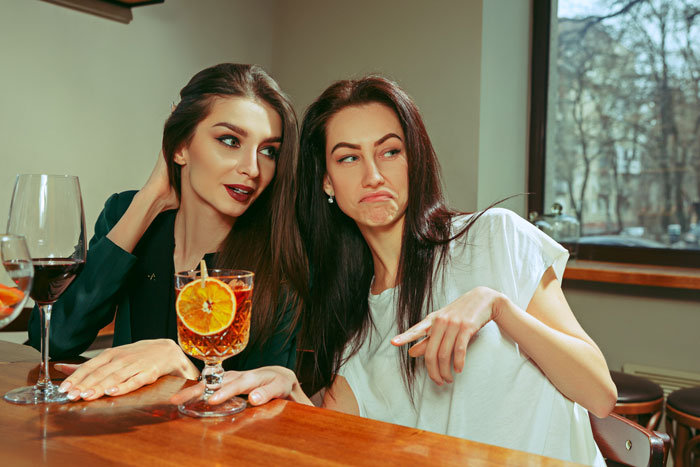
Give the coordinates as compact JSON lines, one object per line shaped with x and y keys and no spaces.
{"x":633,"y":274}
{"x":142,"y":428}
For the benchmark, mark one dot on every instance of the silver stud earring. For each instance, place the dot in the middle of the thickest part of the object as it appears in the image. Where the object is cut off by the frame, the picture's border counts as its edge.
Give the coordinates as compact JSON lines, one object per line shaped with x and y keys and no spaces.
{"x":330,"y":199}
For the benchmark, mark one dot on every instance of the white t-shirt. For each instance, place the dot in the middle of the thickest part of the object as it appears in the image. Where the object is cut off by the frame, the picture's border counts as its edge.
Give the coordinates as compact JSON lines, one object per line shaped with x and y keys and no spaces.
{"x":500,"y":397}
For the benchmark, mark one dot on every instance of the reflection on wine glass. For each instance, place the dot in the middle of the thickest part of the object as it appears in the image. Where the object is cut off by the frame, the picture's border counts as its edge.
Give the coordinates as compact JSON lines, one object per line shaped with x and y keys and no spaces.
{"x":15,"y":278}
{"x":48,"y":211}
{"x":213,"y":324}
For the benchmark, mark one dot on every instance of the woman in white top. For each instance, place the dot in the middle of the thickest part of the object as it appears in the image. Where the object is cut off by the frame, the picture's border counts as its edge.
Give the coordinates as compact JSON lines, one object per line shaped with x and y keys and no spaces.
{"x":497,"y":356}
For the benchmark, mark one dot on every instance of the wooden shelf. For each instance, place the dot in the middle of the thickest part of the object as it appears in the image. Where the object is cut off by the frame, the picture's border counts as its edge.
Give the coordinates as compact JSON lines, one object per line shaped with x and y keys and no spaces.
{"x":634,"y":274}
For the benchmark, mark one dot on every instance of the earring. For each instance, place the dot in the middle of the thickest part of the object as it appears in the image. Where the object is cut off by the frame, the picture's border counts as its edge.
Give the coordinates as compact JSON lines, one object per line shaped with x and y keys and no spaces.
{"x":330,"y":199}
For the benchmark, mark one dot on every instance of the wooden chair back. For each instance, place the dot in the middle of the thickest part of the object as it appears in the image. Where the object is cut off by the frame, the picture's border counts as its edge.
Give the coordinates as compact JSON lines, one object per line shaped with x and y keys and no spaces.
{"x":623,"y":442}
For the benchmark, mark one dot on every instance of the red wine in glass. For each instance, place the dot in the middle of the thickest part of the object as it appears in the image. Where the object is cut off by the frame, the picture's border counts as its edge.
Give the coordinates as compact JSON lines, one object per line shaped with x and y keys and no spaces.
{"x":52,"y":276}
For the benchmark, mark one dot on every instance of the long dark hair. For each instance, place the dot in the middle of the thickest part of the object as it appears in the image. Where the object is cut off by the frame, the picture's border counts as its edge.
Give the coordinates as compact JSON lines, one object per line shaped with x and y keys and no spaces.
{"x":340,"y":260}
{"x":265,"y":239}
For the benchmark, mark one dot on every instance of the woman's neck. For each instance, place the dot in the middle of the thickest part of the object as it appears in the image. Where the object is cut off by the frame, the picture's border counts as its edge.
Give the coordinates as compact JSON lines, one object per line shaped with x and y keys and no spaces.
{"x":385,"y":245}
{"x":199,"y":229}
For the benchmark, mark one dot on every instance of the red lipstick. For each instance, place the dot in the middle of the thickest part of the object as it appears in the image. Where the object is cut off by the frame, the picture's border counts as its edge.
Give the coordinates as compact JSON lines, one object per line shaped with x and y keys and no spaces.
{"x":240,"y":193}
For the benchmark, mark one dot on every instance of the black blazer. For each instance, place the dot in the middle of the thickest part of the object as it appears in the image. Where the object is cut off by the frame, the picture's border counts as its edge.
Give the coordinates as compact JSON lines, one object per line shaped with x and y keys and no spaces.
{"x":140,"y":288}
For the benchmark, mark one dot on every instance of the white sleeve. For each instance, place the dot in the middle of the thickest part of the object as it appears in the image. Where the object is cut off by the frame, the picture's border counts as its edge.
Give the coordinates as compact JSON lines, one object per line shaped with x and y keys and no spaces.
{"x":520,"y":254}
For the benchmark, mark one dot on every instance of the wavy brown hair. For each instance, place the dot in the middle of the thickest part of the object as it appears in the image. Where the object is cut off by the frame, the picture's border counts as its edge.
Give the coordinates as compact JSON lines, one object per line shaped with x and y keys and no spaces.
{"x":265,"y":239}
{"x":340,"y":260}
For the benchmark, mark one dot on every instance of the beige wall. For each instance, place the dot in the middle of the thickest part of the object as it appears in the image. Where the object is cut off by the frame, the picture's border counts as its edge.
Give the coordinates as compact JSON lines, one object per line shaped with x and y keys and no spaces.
{"x":433,"y":49}
{"x":87,"y":96}
{"x":505,"y":89}
{"x":642,"y":325}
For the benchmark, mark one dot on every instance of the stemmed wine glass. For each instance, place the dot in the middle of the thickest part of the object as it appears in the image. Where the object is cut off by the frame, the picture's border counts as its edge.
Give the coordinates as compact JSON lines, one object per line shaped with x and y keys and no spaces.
{"x":15,"y":277}
{"x":48,"y":211}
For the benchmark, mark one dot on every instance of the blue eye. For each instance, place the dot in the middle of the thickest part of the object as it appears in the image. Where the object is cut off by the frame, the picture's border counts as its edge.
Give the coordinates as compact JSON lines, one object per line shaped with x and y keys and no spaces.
{"x":230,"y":140}
{"x":270,"y":151}
{"x":392,"y":152}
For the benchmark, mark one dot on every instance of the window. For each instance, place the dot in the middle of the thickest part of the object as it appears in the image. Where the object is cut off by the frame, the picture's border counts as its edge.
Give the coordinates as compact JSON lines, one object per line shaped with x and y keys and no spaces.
{"x":615,"y":125}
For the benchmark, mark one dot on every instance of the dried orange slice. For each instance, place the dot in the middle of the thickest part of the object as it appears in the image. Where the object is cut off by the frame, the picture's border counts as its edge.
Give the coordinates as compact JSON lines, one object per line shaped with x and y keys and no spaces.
{"x":10,"y":295}
{"x":206,"y":310}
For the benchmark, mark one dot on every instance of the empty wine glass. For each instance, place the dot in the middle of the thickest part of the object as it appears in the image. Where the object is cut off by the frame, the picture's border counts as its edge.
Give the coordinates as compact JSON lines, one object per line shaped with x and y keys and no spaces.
{"x":48,"y":211}
{"x":15,"y":277}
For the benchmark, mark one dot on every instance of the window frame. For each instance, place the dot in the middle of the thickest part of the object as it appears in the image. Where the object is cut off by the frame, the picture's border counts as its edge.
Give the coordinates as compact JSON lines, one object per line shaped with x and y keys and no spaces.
{"x":539,"y":83}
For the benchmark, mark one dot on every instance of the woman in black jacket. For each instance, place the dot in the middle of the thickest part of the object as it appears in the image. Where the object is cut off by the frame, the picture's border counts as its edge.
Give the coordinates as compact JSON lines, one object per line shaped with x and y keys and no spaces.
{"x":222,"y":191}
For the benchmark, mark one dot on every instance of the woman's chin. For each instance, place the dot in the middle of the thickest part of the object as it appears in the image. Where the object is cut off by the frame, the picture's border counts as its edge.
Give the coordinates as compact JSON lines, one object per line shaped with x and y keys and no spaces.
{"x":380,"y":216}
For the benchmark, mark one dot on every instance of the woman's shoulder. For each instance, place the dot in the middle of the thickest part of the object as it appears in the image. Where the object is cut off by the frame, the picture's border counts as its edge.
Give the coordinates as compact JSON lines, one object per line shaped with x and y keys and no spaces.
{"x":491,"y":221}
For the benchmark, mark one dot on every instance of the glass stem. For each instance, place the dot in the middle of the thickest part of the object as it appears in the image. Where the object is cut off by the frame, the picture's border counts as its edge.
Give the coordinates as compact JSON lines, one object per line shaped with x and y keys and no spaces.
{"x":44,"y":381}
{"x":213,"y":376}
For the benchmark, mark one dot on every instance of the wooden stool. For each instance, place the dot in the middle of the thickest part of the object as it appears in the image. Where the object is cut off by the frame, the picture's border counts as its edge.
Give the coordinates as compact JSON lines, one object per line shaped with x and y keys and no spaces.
{"x":683,"y":424}
{"x":638,"y":399}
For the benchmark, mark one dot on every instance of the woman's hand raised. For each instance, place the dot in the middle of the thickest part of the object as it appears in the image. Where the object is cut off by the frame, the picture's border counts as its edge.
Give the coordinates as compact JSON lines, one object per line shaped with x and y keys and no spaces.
{"x":261,"y":385}
{"x":448,"y":331}
{"x":155,"y":197}
{"x":123,"y":369}
{"x":158,"y":186}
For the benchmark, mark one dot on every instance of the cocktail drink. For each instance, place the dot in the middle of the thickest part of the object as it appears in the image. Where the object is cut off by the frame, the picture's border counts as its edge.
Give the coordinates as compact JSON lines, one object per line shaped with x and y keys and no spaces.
{"x":15,"y":277}
{"x":213,"y":324}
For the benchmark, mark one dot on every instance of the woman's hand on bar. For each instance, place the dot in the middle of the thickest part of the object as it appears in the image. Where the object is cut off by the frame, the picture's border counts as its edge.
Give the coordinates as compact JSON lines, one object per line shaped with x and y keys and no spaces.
{"x":123,"y":369}
{"x":261,"y":385}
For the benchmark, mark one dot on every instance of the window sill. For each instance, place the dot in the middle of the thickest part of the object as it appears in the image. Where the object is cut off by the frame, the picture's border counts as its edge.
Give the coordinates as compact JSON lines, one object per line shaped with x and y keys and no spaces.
{"x":634,"y":274}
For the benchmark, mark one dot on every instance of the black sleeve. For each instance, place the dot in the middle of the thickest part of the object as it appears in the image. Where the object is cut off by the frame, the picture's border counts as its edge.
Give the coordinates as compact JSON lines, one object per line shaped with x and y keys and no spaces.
{"x":89,"y":303}
{"x":280,"y":349}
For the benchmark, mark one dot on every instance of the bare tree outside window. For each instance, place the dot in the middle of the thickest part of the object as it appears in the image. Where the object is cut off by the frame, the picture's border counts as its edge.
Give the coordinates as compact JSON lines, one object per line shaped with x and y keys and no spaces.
{"x":623,"y":120}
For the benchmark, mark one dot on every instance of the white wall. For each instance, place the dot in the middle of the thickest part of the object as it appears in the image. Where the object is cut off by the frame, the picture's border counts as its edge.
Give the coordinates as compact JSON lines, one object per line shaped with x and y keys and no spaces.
{"x":83,"y":95}
{"x":433,"y":49}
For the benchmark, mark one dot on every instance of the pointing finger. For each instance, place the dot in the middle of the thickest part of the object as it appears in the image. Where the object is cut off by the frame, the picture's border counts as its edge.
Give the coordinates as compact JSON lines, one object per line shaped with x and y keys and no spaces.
{"x":416,"y":332}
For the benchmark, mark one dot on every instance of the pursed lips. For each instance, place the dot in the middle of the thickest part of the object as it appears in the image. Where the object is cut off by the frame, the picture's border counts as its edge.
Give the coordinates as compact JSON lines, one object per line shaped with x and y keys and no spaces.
{"x":376,"y":196}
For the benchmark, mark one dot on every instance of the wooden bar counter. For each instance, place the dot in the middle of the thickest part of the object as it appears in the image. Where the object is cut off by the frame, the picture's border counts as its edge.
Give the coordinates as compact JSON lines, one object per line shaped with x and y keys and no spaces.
{"x":142,"y":428}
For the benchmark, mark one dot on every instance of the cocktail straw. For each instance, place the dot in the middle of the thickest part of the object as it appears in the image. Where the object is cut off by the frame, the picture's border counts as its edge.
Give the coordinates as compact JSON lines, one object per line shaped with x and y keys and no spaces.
{"x":204,"y":273}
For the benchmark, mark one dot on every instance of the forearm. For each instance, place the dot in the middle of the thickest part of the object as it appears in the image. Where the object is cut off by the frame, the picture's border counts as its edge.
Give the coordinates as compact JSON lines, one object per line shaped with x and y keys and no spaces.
{"x":574,"y":365}
{"x":143,"y":209}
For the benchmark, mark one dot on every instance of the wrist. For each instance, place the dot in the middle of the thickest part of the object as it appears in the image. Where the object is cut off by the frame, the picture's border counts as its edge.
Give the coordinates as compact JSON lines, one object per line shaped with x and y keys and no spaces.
{"x":182,"y":366}
{"x":499,"y":307}
{"x":148,"y":204}
{"x":151,"y":201}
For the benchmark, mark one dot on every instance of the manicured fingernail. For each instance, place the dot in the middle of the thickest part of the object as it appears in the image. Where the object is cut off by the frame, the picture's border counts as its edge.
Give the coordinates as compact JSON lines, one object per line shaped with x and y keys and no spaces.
{"x":74,"y":394}
{"x":64,"y":387}
{"x":111,"y":391}
{"x":255,"y":397}
{"x":86,"y":394}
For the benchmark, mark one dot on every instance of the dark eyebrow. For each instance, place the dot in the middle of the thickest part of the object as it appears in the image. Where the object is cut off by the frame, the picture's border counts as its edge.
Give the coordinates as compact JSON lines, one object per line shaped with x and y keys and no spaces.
{"x":233,"y":128}
{"x":357,"y":146}
{"x":386,"y":137}
{"x":273,"y":139}
{"x":345,"y":145}
{"x":242,"y":132}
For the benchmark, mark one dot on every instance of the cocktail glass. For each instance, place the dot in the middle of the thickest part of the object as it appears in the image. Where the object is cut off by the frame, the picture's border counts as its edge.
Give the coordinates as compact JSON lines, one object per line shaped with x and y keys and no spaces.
{"x":209,"y":331}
